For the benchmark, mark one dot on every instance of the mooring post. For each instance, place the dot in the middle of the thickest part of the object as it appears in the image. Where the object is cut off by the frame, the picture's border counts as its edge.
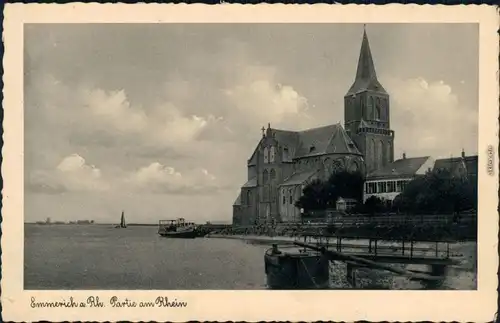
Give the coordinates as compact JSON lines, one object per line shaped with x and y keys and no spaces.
{"x":351,"y":275}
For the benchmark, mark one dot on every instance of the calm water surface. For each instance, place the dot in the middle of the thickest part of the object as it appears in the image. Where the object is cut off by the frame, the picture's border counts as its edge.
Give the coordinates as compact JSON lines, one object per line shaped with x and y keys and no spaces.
{"x":102,"y":257}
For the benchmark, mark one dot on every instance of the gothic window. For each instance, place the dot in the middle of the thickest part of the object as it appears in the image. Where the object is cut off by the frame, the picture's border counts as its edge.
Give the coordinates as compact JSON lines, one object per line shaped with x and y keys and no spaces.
{"x":388,"y":153}
{"x":377,"y":109}
{"x":363,"y":108}
{"x":272,"y":175}
{"x":271,"y":154}
{"x":372,"y":153}
{"x":354,"y":167}
{"x":264,"y":176}
{"x":266,"y":193}
{"x":284,"y":197}
{"x":380,"y":154}
{"x":266,"y":155}
{"x":249,"y":197}
{"x":327,"y":165}
{"x":285,"y":154}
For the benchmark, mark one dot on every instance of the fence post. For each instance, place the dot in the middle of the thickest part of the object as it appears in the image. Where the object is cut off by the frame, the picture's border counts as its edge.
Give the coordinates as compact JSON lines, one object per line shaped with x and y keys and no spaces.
{"x":376,"y":246}
{"x":403,"y":251}
{"x":411,"y":249}
{"x":370,"y":245}
{"x":436,"y":249}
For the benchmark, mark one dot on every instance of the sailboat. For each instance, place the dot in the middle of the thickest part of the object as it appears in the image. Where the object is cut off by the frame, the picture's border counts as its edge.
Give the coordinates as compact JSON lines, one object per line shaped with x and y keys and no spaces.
{"x":122,"y":224}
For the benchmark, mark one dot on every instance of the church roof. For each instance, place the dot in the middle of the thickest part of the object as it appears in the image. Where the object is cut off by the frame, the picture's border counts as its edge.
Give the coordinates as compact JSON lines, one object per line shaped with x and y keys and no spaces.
{"x":331,"y":139}
{"x":251,"y":182}
{"x":298,"y":178}
{"x":237,"y":202}
{"x":366,"y":77}
{"x":324,"y":140}
{"x":405,"y":167}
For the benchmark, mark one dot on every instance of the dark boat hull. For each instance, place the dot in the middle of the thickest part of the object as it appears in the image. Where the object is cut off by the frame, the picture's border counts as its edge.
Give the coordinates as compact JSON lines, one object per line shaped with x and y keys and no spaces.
{"x":297,"y":271}
{"x":179,"y":235}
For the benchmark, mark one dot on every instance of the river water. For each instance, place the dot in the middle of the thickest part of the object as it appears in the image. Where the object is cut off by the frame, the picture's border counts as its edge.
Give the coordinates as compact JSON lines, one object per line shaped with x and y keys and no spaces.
{"x":102,"y":257}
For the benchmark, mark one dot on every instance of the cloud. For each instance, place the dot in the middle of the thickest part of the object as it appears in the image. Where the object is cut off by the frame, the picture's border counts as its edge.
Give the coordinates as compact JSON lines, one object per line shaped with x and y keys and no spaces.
{"x":158,"y":178}
{"x":260,"y":98}
{"x":429,"y":119}
{"x":72,"y":174}
{"x":115,"y":110}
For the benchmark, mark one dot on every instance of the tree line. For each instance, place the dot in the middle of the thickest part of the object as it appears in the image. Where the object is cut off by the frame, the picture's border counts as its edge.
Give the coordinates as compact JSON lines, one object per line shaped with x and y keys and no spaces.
{"x":436,"y":192}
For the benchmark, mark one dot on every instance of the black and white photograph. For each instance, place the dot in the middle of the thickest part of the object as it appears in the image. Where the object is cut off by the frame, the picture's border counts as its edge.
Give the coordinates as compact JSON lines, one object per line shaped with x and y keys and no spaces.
{"x":327,"y":156}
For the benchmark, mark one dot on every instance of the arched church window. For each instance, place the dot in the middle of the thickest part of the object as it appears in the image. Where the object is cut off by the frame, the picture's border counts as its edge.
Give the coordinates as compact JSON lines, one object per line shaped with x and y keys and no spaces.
{"x":249,"y":197}
{"x":327,"y":165}
{"x":372,"y":153}
{"x":265,"y":178}
{"x":266,"y":155}
{"x":272,"y":154}
{"x":388,"y":153}
{"x":377,"y":109}
{"x":285,"y":154}
{"x":372,"y":103}
{"x":380,"y":154}
{"x":354,"y":166}
{"x":272,"y":174}
{"x":363,"y":108}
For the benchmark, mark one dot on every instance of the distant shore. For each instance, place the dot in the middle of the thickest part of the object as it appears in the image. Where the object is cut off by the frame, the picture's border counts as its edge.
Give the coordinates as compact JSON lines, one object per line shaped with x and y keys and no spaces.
{"x":72,"y":223}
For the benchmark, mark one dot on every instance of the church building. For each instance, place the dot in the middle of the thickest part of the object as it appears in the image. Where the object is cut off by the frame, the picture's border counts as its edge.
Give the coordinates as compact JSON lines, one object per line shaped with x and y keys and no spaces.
{"x":285,"y":161}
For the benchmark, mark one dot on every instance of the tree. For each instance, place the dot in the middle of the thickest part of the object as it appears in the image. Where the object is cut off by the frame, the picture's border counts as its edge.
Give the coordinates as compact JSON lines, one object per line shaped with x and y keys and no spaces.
{"x":313,"y":196}
{"x":438,"y":191}
{"x":348,"y":184}
{"x":373,"y":205}
{"x":321,"y":195}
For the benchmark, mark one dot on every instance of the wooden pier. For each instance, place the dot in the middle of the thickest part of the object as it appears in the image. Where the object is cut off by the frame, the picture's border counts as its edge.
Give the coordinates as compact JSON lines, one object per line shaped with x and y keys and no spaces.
{"x":375,"y":253}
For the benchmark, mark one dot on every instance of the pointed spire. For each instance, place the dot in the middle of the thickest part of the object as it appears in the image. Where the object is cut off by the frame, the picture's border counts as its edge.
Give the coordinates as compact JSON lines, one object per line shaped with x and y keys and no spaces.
{"x":366,"y":68}
{"x":366,"y":77}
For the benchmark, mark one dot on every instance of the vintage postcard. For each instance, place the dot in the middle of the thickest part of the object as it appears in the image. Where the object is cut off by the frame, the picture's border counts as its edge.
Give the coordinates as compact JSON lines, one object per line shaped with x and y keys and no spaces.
{"x":250,"y":163}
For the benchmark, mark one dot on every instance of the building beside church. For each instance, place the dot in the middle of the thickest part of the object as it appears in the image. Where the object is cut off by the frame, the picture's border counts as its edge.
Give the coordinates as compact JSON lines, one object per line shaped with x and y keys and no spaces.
{"x":285,"y":161}
{"x":388,"y":182}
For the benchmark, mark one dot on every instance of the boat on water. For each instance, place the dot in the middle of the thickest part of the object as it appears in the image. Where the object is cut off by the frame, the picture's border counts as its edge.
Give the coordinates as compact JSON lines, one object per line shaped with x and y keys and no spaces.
{"x":178,"y":228}
{"x":296,"y":269}
{"x":122,"y":224}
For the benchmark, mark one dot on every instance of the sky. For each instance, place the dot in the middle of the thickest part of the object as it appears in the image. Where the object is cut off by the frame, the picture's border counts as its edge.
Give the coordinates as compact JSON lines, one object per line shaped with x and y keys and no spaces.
{"x":159,"y":120}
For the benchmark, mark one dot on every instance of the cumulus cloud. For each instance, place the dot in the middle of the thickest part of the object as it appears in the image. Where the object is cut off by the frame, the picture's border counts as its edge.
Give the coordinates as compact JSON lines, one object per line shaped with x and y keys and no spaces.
{"x":260,"y":98}
{"x":115,"y":110}
{"x":72,"y":174}
{"x":158,"y":178}
{"x":429,"y":118}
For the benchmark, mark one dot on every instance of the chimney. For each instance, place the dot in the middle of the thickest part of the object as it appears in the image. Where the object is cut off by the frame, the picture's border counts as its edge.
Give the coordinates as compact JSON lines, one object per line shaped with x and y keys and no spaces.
{"x":404,"y":155}
{"x":463,"y":153}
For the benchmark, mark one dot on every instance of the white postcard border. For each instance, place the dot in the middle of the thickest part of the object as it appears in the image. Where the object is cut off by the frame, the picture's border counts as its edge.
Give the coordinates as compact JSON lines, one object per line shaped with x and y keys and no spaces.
{"x":345,"y":305}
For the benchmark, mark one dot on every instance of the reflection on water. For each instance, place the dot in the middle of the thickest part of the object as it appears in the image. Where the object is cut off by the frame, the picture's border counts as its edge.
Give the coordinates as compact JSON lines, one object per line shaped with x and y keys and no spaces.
{"x":101,"y":257}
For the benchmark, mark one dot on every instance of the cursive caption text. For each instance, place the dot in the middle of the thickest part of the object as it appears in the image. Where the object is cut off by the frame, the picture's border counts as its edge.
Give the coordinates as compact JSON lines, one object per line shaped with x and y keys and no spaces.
{"x":114,"y":302}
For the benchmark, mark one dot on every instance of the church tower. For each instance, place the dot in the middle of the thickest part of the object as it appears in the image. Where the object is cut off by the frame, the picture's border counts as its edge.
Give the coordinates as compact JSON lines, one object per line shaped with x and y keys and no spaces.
{"x":367,"y":113}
